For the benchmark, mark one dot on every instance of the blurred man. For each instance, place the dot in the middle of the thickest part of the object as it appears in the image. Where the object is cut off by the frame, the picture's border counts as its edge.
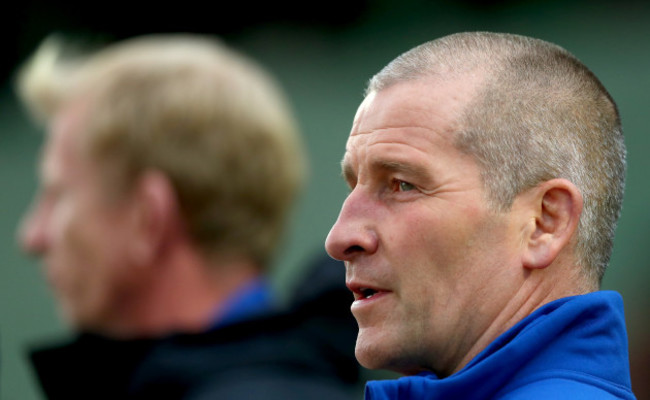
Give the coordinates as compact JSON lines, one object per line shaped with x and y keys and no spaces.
{"x":486,"y":175}
{"x":170,"y":166}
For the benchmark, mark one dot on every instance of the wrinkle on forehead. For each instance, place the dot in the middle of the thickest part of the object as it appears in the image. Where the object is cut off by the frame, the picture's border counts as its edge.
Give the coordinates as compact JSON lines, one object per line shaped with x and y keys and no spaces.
{"x":417,"y":138}
{"x":427,"y":105}
{"x":440,"y":102}
{"x":390,"y":127}
{"x":410,"y":156}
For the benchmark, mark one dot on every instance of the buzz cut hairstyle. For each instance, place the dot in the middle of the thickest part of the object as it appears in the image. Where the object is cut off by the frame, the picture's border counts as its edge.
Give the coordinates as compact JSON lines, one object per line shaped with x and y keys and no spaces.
{"x":537,"y":113}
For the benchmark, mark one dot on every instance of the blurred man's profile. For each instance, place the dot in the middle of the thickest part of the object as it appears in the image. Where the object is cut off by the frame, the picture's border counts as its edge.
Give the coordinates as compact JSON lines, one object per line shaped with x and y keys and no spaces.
{"x":170,"y":166}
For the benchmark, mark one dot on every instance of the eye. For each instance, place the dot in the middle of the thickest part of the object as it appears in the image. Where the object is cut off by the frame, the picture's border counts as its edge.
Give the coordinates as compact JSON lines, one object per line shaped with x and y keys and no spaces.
{"x":403,"y":186}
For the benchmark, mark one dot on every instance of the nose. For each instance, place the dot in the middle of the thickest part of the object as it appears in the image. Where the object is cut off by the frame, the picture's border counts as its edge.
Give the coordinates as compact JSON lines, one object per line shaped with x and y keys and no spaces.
{"x":352,"y":234}
{"x":32,"y":231}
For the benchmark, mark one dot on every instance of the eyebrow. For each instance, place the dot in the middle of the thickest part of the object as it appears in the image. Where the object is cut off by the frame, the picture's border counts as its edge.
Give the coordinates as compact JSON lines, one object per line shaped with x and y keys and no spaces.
{"x":398,"y":166}
{"x":348,"y":173}
{"x":417,"y":171}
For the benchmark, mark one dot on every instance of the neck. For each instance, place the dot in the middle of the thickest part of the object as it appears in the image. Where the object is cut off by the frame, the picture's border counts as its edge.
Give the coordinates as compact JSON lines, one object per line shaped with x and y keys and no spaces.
{"x":181,"y":295}
{"x":537,"y":288}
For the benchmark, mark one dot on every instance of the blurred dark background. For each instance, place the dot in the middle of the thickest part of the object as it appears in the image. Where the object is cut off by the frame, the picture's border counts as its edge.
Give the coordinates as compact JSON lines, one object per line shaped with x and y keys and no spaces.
{"x":323,"y":53}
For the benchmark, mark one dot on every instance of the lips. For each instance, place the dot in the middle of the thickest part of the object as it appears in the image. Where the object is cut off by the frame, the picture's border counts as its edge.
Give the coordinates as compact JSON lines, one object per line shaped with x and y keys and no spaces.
{"x":364,"y":292}
{"x":367,"y":293}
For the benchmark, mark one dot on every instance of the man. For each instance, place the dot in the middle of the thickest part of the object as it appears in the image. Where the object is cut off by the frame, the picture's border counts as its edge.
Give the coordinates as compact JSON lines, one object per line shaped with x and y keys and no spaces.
{"x":170,"y":166}
{"x":486,"y":174}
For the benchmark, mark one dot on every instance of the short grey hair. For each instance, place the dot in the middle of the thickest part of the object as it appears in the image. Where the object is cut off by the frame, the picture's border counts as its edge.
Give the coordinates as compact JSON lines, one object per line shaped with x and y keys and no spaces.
{"x":538,"y":113}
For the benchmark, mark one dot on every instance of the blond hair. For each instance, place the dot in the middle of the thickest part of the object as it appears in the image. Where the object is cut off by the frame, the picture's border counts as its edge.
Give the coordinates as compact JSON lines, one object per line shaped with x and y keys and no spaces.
{"x":538,"y":113}
{"x":213,"y":121}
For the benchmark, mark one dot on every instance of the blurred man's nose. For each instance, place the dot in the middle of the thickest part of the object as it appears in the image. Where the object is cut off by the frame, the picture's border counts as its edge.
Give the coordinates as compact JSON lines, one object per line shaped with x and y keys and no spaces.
{"x":32,"y":232}
{"x":352,"y":233}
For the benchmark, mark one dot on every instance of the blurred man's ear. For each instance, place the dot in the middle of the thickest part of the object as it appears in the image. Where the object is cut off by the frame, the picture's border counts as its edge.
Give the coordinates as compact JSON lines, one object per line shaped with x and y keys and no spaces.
{"x":556,"y":205}
{"x":156,"y":217}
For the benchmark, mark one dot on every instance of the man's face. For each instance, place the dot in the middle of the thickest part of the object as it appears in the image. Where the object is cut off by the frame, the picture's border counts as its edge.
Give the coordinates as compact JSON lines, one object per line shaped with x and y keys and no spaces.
{"x":78,"y":230}
{"x":425,"y":256}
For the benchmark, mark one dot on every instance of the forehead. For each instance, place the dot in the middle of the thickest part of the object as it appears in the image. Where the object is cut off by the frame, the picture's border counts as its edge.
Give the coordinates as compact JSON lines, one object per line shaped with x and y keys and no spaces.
{"x":63,"y":147}
{"x":60,"y":143}
{"x":405,"y":120}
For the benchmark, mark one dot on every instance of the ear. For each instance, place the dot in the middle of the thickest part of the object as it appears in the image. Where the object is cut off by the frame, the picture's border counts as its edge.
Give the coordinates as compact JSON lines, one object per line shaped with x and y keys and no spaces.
{"x":556,"y":206}
{"x":155,"y":217}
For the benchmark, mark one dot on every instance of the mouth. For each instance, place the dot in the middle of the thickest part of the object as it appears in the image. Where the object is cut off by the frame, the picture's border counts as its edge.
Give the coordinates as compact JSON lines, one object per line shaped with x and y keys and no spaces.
{"x":50,"y":276}
{"x":364,"y":292}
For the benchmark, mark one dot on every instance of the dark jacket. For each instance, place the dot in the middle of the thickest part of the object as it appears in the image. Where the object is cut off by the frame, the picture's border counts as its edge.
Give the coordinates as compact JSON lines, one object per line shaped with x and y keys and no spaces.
{"x":305,"y":352}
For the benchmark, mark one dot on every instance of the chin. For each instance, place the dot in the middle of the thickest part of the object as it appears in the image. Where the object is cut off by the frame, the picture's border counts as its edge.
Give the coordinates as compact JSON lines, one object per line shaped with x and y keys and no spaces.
{"x":381,"y":354}
{"x":80,"y":319}
{"x":75,"y":321}
{"x":374,"y":354}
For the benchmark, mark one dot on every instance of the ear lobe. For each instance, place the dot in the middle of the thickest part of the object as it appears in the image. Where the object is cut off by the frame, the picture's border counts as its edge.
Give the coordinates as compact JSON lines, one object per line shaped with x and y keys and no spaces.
{"x":155,"y":216}
{"x":557,"y":206}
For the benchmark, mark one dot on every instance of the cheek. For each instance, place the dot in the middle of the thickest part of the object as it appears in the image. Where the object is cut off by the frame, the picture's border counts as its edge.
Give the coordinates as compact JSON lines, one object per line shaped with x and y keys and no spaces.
{"x":80,"y":258}
{"x":440,"y":255}
{"x":83,"y":255}
{"x":76,"y":235}
{"x":430,"y":244}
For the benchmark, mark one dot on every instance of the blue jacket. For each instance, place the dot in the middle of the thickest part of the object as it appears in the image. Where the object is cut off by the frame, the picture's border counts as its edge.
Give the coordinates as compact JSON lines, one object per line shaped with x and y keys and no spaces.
{"x":572,"y":348}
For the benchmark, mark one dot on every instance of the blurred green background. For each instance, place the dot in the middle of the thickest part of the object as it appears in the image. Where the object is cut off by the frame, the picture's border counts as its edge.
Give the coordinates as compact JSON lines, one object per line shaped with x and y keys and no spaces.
{"x":323,"y":54}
